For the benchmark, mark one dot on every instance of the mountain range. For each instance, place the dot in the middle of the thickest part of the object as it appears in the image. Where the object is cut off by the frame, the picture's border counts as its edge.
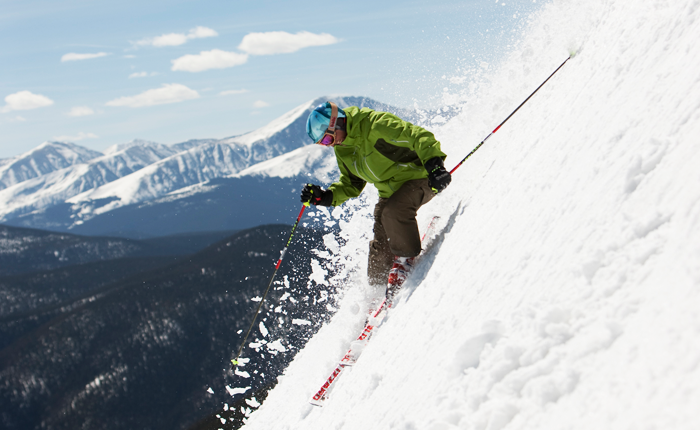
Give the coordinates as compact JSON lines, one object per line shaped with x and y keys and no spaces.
{"x":144,"y":189}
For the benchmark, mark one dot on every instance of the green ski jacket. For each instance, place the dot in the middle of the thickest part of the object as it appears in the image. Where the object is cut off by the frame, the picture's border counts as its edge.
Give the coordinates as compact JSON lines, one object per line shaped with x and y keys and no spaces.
{"x":383,"y":150}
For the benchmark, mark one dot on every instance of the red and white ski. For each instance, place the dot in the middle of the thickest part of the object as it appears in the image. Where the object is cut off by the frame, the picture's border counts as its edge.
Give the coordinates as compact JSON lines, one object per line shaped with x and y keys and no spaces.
{"x":351,"y":356}
{"x":357,"y":346}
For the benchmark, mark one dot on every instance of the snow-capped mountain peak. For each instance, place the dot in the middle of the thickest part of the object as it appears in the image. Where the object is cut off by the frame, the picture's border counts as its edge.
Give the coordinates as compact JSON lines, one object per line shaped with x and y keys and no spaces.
{"x":45,"y":158}
{"x":56,"y":187}
{"x":274,"y":127}
{"x":136,"y":142}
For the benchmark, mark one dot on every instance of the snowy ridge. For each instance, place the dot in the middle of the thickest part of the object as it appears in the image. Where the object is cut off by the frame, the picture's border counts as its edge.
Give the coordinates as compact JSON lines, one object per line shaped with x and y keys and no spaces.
{"x":190,"y":167}
{"x":184,"y":146}
{"x":313,"y":161}
{"x":60,"y":185}
{"x":563,"y":290}
{"x":45,"y":158}
{"x":136,"y":142}
{"x":274,"y":127}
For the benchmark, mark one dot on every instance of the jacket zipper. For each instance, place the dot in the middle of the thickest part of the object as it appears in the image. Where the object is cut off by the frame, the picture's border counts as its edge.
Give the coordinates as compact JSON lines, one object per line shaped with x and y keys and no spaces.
{"x":370,"y":170}
{"x":409,"y":166}
{"x":361,"y":173}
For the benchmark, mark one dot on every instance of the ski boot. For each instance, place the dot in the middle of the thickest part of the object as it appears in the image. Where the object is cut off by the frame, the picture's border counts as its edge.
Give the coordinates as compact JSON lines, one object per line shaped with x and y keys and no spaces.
{"x":397,"y":276}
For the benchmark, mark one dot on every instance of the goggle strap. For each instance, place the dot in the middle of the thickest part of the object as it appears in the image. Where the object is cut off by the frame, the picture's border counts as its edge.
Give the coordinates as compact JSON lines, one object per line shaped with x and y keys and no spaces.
{"x":334,"y":116}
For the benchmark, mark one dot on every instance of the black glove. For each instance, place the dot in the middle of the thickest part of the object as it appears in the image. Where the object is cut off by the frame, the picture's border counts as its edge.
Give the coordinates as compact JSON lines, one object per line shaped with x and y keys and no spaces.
{"x":438,"y":177}
{"x":316,"y":195}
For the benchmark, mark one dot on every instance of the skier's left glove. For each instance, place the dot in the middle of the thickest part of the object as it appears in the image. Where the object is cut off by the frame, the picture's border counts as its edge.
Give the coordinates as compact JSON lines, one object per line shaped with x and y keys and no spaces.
{"x":316,"y":195}
{"x":438,"y":177}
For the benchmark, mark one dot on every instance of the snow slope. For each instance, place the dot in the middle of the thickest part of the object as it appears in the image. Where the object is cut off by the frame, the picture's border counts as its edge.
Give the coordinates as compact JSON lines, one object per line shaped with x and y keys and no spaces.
{"x":564,"y":288}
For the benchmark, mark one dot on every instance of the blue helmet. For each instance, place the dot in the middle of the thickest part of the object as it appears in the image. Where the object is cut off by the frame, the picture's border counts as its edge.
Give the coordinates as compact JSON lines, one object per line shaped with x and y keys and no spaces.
{"x":319,"y":118}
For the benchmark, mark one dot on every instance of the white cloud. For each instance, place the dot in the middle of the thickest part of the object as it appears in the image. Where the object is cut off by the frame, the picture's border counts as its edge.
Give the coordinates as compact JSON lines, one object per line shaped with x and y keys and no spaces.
{"x":75,"y":57}
{"x":171,"y":39}
{"x":81,"y":111}
{"x":232,"y":92}
{"x":142,"y":75}
{"x":80,"y":136}
{"x":17,"y":119}
{"x":205,"y":60}
{"x":200,"y":32}
{"x":25,"y":100}
{"x":168,"y":93}
{"x":281,"y":42}
{"x":260,"y":104}
{"x":177,"y":39}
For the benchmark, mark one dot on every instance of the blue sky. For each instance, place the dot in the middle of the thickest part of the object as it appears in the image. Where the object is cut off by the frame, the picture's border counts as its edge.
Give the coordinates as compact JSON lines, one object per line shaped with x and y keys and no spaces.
{"x":99,"y":73}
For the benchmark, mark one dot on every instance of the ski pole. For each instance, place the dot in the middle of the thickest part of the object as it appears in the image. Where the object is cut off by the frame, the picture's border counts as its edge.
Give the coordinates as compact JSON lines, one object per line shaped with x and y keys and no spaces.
{"x":235,"y":362}
{"x":512,"y":113}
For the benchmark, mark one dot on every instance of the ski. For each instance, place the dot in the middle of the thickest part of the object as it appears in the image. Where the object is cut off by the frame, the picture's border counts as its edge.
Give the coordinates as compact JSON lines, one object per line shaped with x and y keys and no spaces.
{"x":351,"y":356}
{"x":358,"y":345}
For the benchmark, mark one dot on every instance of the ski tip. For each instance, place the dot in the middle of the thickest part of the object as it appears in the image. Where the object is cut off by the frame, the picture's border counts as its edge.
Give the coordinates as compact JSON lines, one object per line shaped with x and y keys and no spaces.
{"x":318,"y":403}
{"x":318,"y":399}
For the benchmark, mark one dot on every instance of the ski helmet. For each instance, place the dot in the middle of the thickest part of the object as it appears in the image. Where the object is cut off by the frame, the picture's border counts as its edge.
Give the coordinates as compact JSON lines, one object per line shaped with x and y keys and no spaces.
{"x":320,"y":119}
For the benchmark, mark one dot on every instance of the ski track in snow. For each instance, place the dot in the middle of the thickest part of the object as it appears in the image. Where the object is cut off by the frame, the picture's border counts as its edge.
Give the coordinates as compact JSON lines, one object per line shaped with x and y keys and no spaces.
{"x":563,"y":292}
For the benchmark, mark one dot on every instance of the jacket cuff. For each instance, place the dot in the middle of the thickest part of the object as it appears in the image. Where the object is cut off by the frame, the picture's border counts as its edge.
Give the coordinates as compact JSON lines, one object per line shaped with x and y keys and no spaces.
{"x":434,"y":163}
{"x":326,"y":198}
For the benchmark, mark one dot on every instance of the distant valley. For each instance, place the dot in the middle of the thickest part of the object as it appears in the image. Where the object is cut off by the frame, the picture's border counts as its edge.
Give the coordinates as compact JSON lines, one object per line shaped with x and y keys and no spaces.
{"x":83,"y":344}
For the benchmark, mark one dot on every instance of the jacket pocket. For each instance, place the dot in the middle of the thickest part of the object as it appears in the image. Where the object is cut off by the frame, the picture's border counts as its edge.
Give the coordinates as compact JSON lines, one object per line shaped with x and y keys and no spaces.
{"x":397,"y":154}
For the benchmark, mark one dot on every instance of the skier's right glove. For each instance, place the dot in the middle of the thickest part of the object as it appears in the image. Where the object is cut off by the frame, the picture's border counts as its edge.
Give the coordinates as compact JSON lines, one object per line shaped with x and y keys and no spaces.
{"x":315,"y":195}
{"x":438,"y":177}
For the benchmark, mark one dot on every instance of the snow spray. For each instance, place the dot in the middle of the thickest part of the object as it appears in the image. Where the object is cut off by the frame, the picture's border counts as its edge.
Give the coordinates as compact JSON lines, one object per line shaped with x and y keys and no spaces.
{"x":512,"y":113}
{"x":234,"y":361}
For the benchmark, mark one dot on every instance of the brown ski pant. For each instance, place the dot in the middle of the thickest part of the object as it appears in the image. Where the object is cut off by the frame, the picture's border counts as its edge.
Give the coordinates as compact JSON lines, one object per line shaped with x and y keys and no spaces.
{"x":395,"y":228}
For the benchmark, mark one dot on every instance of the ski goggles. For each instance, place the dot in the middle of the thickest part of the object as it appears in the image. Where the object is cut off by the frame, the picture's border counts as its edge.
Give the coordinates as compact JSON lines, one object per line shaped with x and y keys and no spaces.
{"x":329,"y":137}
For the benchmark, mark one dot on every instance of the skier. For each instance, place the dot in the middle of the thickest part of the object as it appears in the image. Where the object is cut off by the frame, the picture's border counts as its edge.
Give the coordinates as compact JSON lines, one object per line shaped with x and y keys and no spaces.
{"x":405,"y":164}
